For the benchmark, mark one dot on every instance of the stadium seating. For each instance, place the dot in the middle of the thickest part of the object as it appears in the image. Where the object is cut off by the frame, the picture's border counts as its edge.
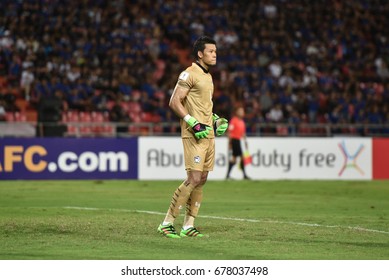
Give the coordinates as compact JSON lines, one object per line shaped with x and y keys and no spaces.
{"x":88,"y":124}
{"x":10,"y":117}
{"x":314,"y":62}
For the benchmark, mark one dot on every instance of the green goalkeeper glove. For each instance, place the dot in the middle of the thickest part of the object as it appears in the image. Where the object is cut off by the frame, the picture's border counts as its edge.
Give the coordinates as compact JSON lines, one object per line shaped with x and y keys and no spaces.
{"x":200,"y":130}
{"x":221,"y":124}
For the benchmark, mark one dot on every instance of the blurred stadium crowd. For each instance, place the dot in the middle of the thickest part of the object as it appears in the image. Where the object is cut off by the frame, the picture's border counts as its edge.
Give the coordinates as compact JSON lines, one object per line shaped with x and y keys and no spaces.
{"x":300,"y":61}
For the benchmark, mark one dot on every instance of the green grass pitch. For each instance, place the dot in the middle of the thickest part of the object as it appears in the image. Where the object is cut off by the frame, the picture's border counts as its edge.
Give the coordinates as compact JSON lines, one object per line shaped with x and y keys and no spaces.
{"x":252,"y":220}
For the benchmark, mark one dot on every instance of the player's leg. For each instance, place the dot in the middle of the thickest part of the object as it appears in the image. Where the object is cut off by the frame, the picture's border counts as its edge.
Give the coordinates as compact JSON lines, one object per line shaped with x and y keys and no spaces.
{"x":196,"y":197}
{"x":178,"y":201}
{"x":239,"y":153}
{"x":235,"y":143}
{"x":192,"y":209}
{"x":231,"y":164}
{"x":243,"y":170}
{"x":194,"y":202}
{"x":194,"y":159}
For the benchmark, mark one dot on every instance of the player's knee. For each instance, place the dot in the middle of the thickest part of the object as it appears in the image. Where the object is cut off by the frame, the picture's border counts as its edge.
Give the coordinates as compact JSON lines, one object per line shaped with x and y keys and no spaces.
{"x":195,"y":181}
{"x":198,"y":181}
{"x":202,"y":182}
{"x":195,"y":178}
{"x":204,"y":177}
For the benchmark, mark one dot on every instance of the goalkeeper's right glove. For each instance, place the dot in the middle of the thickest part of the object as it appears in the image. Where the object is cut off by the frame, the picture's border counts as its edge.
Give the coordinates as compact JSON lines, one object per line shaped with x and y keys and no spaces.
{"x":200,"y":130}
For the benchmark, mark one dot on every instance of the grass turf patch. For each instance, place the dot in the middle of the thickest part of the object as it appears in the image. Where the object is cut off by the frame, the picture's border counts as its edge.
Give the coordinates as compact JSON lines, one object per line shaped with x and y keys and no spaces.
{"x":242,"y":219}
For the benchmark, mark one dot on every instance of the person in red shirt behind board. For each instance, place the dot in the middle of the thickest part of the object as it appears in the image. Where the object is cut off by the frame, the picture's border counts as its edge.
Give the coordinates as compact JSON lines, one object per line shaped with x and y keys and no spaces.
{"x":236,"y":131}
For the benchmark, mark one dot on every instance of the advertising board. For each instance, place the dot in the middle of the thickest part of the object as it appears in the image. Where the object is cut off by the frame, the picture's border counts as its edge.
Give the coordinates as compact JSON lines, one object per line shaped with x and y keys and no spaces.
{"x":65,"y":158}
{"x":272,"y":158}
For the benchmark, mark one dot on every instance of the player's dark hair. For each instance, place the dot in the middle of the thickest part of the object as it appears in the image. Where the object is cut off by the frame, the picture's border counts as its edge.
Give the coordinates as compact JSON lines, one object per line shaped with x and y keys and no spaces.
{"x":199,"y":45}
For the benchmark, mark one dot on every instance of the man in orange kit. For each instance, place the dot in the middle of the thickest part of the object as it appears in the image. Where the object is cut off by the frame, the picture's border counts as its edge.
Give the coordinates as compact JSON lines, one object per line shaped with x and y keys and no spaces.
{"x":236,"y":132}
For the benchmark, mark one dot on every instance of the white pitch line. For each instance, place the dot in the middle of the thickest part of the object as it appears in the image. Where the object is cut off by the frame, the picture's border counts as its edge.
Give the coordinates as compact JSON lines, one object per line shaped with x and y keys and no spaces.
{"x":232,"y":219}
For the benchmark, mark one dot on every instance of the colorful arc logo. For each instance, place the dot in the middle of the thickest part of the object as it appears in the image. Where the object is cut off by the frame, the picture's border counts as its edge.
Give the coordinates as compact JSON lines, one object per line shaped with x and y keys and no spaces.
{"x":350,"y":161}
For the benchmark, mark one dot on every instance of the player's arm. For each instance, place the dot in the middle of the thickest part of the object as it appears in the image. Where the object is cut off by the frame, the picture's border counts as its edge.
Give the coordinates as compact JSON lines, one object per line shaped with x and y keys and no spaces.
{"x":175,"y":103}
{"x":179,"y":94}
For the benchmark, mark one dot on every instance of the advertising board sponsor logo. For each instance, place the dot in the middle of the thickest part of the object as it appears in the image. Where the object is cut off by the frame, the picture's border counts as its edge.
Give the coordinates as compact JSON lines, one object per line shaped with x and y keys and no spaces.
{"x":67,"y":158}
{"x":33,"y":160}
{"x":350,"y":159}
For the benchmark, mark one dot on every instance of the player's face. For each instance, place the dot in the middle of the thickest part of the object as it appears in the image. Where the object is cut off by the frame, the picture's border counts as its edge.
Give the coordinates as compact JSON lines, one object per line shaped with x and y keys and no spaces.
{"x":209,"y":55}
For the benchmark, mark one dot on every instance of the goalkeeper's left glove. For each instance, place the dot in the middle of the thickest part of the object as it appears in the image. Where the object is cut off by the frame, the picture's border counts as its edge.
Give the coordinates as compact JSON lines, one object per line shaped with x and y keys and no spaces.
{"x":221,"y":124}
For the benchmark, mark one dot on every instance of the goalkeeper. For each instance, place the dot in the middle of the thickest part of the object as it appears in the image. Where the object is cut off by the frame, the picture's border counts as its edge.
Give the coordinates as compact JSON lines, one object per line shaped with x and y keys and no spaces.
{"x":192,"y":102}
